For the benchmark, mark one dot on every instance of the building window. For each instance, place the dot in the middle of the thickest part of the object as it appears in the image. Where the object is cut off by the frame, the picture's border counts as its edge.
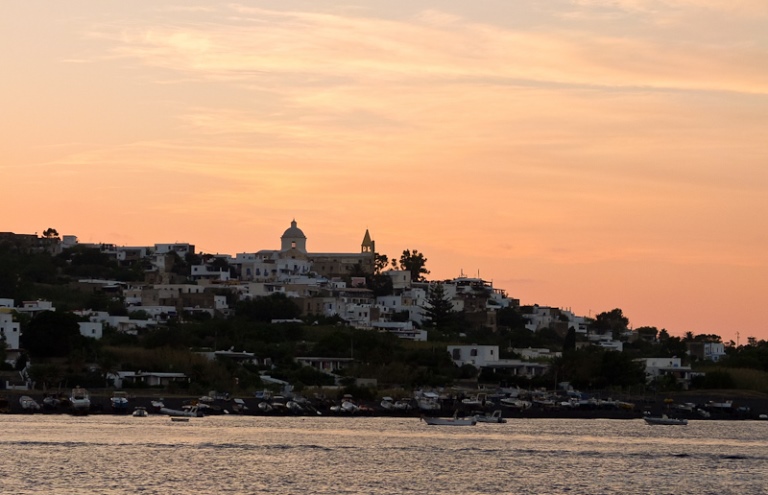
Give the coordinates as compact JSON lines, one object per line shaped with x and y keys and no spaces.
{"x":473,"y":352}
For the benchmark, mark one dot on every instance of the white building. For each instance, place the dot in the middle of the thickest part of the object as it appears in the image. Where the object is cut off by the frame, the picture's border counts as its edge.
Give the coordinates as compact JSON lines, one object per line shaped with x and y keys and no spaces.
{"x":541,"y":317}
{"x":92,"y":329}
{"x":487,"y":356}
{"x":10,"y":331}
{"x":34,"y":307}
{"x":180,"y":248}
{"x":659,"y":367}
{"x":476,"y":355}
{"x":205,"y":272}
{"x":711,"y":351}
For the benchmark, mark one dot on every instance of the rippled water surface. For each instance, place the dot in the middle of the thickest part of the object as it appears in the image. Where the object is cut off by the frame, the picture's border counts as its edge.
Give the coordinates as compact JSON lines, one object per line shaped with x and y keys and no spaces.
{"x":234,"y":455}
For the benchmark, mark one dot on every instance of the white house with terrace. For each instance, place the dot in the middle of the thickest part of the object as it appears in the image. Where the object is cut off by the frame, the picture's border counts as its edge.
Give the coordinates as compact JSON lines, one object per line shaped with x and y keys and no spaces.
{"x":487,"y":356}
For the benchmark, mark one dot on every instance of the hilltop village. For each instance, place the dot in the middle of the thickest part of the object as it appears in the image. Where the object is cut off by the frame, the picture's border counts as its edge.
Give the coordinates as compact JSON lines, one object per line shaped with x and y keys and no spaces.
{"x":167,"y":318}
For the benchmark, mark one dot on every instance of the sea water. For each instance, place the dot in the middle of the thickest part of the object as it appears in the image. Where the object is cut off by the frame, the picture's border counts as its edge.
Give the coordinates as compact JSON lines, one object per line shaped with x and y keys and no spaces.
{"x":104,"y":454}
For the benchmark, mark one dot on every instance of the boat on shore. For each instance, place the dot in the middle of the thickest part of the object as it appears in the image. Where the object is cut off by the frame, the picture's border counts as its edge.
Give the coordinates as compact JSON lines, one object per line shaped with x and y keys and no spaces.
{"x":664,"y":420}
{"x":140,"y":412}
{"x":28,"y":404}
{"x":119,"y":402}
{"x":191,"y":412}
{"x":80,"y":401}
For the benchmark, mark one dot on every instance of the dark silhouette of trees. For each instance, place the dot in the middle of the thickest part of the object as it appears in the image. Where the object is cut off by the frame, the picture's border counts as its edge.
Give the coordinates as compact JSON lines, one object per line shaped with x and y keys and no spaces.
{"x":570,"y":340}
{"x":52,"y":334}
{"x":612,"y":321}
{"x":380,"y":262}
{"x":265,"y":309}
{"x":414,"y":262}
{"x":439,"y":309}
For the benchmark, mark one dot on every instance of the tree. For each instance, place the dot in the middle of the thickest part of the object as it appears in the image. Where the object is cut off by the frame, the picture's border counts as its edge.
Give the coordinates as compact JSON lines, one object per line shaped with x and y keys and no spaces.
{"x":439,"y":309}
{"x":50,"y":233}
{"x":275,"y":306}
{"x":612,"y":321}
{"x":47,"y":375}
{"x":619,"y":369}
{"x":3,"y":354}
{"x":51,"y":334}
{"x":413,"y":262}
{"x":380,"y":263}
{"x":570,"y":340}
{"x":647,"y":333}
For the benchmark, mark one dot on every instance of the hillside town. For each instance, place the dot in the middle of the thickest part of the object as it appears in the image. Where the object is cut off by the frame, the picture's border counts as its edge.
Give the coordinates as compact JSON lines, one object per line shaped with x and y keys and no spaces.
{"x":131,"y":294}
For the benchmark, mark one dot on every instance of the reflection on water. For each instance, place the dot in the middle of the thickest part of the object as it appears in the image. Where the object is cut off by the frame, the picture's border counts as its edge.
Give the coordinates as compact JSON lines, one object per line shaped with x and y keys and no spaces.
{"x":225,"y":454}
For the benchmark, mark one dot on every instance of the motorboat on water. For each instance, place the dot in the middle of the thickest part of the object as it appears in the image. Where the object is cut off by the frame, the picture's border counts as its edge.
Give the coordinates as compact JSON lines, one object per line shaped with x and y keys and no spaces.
{"x":493,"y":418}
{"x":664,"y":420}
{"x":453,"y":421}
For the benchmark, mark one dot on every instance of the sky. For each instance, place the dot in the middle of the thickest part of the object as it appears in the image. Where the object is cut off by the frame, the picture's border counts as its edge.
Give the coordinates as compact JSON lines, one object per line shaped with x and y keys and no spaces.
{"x":581,"y":154}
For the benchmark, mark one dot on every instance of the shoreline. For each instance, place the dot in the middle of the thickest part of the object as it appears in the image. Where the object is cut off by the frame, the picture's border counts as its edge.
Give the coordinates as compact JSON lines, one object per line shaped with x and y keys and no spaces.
{"x":742,"y":407}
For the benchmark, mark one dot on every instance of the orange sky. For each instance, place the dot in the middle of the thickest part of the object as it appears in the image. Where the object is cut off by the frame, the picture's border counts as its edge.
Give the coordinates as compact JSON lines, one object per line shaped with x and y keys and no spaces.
{"x":587,"y":154}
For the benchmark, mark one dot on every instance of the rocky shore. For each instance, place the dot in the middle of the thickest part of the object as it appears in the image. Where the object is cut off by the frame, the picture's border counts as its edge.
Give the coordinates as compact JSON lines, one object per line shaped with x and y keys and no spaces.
{"x":719,"y":406}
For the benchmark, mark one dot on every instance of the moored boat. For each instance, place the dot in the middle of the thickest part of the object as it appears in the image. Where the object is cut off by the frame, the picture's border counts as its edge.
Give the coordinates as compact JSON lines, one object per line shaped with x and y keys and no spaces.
{"x":119,"y":402}
{"x":80,"y":401}
{"x":188,"y":412}
{"x":428,"y":402}
{"x":664,"y":420}
{"x":140,"y":412}
{"x":453,"y":421}
{"x":28,"y":404}
{"x":493,"y":418}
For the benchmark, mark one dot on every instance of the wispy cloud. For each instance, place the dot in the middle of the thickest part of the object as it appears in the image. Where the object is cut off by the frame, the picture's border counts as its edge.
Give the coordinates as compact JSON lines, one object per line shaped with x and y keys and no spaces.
{"x":268,"y":48}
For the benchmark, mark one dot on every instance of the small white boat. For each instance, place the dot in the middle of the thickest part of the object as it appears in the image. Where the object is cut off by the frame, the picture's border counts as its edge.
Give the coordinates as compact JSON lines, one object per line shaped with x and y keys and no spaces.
{"x":119,"y":402}
{"x":294,"y":407}
{"x":515,"y":403}
{"x":387,"y":403}
{"x":190,"y":412}
{"x":140,"y":412}
{"x":80,"y":401}
{"x":664,"y":420}
{"x":403,"y":405}
{"x":454,"y":421}
{"x":428,"y":401}
{"x":29,"y":404}
{"x":238,"y":406}
{"x":493,"y":418}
